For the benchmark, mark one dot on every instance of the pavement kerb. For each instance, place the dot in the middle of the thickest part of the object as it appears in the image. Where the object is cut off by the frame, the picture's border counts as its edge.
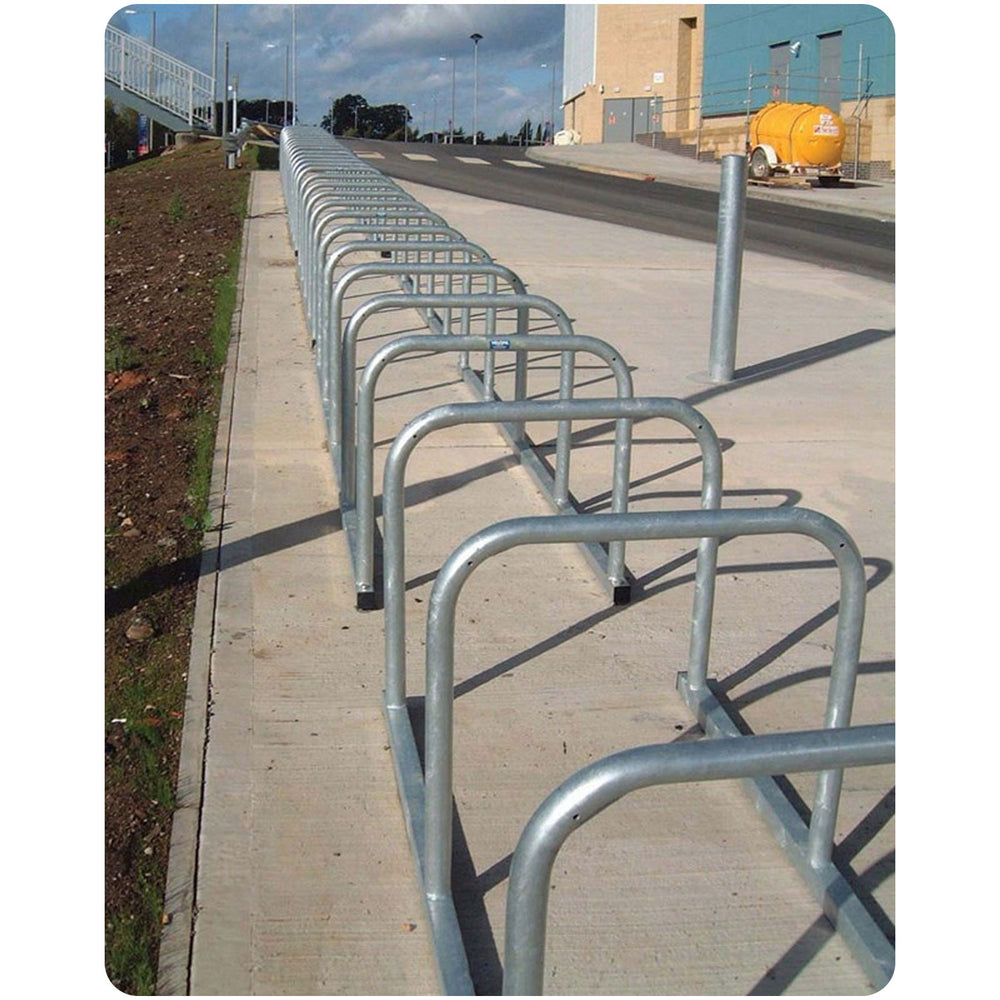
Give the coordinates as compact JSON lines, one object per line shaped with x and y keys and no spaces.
{"x":667,"y":168}
{"x":173,"y":969}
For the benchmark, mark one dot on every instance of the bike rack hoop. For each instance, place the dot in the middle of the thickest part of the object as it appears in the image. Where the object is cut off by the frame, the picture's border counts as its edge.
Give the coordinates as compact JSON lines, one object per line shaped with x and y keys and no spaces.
{"x":601,"y":784}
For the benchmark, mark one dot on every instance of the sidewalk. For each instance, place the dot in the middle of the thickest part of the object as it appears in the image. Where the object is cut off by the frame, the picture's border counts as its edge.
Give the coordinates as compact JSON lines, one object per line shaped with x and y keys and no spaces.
{"x":297,"y":868}
{"x":875,"y":199}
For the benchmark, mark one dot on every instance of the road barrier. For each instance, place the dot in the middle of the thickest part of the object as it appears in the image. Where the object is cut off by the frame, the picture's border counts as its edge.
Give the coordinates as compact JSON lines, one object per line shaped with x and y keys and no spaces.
{"x":340,"y":207}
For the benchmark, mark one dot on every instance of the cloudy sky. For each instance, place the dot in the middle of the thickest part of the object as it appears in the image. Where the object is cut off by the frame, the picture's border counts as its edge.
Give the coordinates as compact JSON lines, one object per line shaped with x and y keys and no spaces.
{"x":388,"y":53}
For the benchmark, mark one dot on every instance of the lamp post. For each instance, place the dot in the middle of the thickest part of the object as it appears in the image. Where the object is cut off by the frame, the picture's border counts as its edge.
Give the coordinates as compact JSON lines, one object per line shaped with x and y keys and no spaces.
{"x":284,"y":119}
{"x":215,"y":66}
{"x":295,"y":103}
{"x":152,"y":44}
{"x":451,"y":121}
{"x":476,"y":39}
{"x":552,"y":113}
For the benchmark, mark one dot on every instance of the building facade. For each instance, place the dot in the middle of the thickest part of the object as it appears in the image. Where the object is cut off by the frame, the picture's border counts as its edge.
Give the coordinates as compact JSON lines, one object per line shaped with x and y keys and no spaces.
{"x":687,"y":77}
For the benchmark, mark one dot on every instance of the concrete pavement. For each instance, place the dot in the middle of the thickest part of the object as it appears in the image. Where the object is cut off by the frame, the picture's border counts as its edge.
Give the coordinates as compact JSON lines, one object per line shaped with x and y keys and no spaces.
{"x":290,"y":869}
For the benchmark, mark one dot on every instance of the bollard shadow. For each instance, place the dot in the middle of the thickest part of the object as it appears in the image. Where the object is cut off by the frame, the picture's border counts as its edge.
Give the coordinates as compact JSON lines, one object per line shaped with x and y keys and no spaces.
{"x":793,"y":361}
{"x":751,"y":375}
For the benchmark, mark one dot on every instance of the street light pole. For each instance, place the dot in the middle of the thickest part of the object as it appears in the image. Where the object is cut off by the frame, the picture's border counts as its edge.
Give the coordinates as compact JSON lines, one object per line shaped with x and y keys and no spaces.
{"x":451,"y":121}
{"x":295,"y":103}
{"x":215,"y":65}
{"x":553,"y":103}
{"x":152,"y":45}
{"x":476,"y":38}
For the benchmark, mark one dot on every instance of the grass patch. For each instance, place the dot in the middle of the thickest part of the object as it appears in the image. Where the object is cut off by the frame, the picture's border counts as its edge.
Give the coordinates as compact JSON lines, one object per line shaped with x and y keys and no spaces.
{"x":226,"y":289}
{"x":199,"y":518}
{"x":131,"y":942}
{"x":119,"y":355}
{"x":176,"y":210}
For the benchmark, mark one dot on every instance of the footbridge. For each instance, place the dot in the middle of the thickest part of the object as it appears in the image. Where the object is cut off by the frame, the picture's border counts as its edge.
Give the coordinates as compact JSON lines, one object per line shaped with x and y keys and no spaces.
{"x":156,"y":84}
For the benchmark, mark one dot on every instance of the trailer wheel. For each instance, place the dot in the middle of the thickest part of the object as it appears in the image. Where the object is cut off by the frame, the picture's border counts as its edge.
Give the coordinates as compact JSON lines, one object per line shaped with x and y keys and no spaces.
{"x":760,"y":169}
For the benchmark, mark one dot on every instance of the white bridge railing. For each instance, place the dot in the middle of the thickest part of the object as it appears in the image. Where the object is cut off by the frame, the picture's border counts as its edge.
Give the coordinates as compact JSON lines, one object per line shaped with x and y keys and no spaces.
{"x":138,"y":68}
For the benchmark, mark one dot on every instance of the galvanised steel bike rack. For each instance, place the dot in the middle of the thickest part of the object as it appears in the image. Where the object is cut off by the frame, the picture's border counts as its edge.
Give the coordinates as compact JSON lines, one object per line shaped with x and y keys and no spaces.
{"x":427,"y":792}
{"x":391,"y":300}
{"x":332,"y":192}
{"x":363,"y":213}
{"x":408,"y":275}
{"x":509,"y":414}
{"x":601,"y":784}
{"x":326,"y":184}
{"x":510,"y":418}
{"x":411,"y":270}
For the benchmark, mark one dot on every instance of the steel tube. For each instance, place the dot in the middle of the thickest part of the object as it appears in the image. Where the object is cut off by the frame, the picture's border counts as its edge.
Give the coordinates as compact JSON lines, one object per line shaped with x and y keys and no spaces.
{"x":413,"y":214}
{"x":332,"y":350}
{"x":394,"y":300}
{"x":623,"y":410}
{"x":601,"y":784}
{"x":440,"y":645}
{"x":402,"y":271}
{"x":728,"y":268}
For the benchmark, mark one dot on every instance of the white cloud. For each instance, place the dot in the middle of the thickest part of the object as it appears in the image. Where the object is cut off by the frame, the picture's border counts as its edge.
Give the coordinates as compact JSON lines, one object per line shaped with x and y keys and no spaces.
{"x":389,"y":53}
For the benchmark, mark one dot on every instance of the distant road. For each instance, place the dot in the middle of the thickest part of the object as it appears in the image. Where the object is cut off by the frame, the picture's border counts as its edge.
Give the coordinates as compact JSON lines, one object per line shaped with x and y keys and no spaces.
{"x":503,"y":173}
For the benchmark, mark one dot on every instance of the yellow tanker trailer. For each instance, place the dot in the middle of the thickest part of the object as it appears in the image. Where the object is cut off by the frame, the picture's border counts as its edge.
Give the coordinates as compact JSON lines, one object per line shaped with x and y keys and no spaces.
{"x":796,"y":140}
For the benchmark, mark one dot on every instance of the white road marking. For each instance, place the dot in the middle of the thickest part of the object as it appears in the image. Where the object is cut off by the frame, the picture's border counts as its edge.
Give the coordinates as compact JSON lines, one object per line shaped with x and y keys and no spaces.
{"x":524,"y":163}
{"x":420,"y":156}
{"x":472,"y":159}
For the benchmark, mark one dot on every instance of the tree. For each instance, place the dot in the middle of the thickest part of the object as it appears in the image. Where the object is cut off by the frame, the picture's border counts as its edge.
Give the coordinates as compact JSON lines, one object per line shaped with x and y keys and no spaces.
{"x":347,"y":116}
{"x":386,"y":121}
{"x":265,"y":109}
{"x":352,"y":115}
{"x":121,"y":131}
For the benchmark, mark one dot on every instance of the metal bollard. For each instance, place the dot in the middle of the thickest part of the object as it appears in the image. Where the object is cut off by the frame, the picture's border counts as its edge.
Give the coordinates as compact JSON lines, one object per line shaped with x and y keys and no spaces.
{"x":728,"y":268}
